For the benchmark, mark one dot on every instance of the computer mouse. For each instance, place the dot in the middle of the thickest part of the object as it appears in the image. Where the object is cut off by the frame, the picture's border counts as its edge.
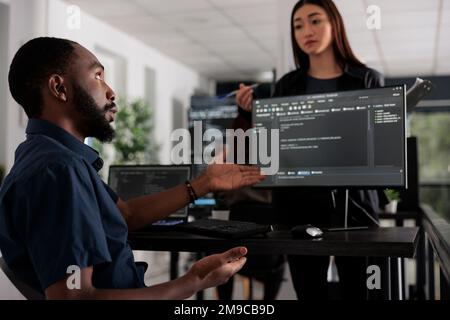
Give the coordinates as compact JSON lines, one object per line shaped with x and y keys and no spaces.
{"x":306,"y":232}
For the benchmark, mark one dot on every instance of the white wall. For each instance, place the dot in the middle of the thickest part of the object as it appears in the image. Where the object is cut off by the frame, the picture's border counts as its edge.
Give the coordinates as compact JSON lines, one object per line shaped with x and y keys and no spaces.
{"x":174,"y":81}
{"x":285,"y":58}
{"x":26,"y":20}
{"x":7,"y":290}
{"x":4,"y":36}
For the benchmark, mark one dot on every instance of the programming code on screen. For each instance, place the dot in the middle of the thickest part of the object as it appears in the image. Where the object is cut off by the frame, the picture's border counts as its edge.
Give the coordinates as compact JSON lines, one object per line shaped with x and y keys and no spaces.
{"x":131,"y":182}
{"x":349,"y":138}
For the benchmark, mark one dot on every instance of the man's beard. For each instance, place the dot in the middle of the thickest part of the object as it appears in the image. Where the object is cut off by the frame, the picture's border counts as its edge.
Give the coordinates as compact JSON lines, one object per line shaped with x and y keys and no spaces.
{"x":93,"y":121}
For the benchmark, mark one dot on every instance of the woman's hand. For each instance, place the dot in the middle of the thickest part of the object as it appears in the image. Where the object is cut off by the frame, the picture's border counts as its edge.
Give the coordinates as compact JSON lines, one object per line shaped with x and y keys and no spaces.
{"x":244,"y":97}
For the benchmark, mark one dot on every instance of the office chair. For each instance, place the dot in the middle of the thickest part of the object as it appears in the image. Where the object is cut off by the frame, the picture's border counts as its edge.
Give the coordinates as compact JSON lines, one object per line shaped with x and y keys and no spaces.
{"x":28,"y":292}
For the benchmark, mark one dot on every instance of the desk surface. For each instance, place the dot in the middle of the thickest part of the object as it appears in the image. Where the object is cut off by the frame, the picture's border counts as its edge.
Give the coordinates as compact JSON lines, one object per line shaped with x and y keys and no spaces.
{"x":380,"y":242}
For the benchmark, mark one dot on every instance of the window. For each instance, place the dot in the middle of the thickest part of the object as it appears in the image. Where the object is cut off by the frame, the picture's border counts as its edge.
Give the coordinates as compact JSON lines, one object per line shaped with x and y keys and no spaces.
{"x":433,"y":132}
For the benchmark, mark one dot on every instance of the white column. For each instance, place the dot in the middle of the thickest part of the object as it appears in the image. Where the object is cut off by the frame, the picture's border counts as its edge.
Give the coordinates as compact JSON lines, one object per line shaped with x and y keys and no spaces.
{"x":27,"y":20}
{"x":4,"y":58}
{"x":285,"y":59}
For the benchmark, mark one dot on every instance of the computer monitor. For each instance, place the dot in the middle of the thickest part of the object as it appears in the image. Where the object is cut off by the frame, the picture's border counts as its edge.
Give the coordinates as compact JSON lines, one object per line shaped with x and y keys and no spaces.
{"x":338,"y":139}
{"x":207,"y":200}
{"x":214,"y":113}
{"x":135,"y":181}
{"x":210,"y":113}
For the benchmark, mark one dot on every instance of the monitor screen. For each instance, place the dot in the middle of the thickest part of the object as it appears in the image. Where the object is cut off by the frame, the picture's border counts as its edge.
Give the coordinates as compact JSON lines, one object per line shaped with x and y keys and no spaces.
{"x":136,"y":181}
{"x":208,"y":199}
{"x":213,"y":113}
{"x":209,"y":113}
{"x":339,"y":139}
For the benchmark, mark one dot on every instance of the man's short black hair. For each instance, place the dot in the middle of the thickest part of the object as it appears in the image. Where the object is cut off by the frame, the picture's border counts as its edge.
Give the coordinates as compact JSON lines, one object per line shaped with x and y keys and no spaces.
{"x":31,"y":67}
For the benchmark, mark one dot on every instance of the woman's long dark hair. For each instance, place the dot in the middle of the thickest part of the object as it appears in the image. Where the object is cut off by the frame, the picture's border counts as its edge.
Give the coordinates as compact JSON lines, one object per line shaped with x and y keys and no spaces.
{"x":341,"y":47}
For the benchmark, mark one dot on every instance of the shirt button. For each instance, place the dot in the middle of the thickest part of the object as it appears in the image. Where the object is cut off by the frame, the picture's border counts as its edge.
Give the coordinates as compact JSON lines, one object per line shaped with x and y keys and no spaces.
{"x":98,"y":164}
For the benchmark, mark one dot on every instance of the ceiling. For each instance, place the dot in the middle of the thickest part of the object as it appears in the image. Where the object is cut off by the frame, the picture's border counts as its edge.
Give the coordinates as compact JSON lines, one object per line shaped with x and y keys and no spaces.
{"x":239,"y":39}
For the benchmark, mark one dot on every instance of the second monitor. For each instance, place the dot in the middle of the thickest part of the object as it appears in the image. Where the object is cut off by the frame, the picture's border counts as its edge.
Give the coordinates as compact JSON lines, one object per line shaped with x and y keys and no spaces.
{"x":340,"y":139}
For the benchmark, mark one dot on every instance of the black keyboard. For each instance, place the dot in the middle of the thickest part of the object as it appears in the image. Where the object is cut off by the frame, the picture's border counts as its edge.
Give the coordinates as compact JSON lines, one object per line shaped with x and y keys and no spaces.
{"x":225,"y":228}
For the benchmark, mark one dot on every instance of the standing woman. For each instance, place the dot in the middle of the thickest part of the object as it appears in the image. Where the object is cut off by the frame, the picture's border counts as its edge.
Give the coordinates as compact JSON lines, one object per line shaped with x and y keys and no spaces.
{"x":325,"y":63}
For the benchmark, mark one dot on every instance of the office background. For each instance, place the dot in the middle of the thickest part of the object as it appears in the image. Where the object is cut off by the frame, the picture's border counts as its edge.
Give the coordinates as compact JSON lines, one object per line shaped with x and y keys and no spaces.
{"x":166,"y":51}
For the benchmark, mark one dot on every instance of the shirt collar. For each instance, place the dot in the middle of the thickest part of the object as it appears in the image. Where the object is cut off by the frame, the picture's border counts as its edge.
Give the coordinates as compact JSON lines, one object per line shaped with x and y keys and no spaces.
{"x":39,"y":126}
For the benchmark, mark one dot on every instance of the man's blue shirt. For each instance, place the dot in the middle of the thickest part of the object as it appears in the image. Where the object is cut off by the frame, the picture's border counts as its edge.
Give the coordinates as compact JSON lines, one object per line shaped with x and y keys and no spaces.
{"x":56,"y":212}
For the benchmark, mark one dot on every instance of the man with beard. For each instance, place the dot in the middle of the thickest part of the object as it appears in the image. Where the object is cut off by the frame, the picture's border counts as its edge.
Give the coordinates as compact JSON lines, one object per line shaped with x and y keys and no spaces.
{"x":56,"y":214}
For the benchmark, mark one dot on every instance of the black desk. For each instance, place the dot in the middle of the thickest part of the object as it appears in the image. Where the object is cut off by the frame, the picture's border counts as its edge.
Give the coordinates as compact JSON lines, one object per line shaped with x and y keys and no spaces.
{"x":379,"y":245}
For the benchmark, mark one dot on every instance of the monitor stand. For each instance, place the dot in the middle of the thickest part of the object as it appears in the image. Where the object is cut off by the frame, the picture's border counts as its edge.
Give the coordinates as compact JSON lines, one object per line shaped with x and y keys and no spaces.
{"x":346,"y":227}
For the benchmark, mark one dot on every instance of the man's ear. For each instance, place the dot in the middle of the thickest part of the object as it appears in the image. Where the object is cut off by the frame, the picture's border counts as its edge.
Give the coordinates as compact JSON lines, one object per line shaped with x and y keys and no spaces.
{"x":57,"y":87}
